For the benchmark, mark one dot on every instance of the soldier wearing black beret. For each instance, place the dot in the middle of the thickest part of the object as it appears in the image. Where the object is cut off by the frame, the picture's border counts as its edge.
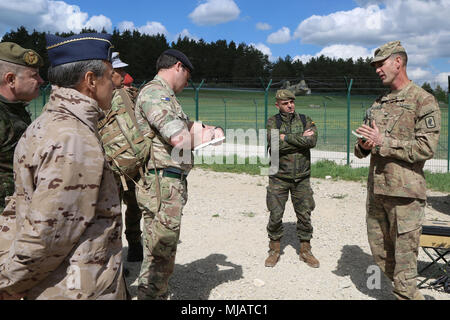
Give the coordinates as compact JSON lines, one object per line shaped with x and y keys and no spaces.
{"x":19,"y":84}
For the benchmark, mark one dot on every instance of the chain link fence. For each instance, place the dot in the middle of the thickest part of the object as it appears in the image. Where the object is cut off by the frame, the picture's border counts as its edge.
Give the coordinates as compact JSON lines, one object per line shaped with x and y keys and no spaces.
{"x":335,"y":112}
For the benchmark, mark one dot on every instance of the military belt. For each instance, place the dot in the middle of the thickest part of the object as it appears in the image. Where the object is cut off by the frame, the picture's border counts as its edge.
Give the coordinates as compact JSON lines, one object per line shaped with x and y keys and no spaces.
{"x":170,"y":172}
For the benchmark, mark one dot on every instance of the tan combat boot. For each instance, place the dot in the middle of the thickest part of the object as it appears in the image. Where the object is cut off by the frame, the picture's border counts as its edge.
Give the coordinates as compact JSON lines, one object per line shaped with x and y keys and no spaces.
{"x":274,"y":253}
{"x":307,"y":256}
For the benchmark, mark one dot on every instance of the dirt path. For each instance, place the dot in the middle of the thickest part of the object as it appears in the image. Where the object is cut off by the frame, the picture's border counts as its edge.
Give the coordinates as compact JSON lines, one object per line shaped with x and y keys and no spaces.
{"x":223,"y":244}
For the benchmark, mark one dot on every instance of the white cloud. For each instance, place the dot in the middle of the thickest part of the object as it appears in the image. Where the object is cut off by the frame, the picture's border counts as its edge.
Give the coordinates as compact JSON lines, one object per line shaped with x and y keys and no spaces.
{"x":338,"y":51}
{"x":46,"y":15}
{"x":153,"y":27}
{"x":214,"y":12}
{"x":150,"y":28}
{"x":126,"y":25}
{"x":185,"y":33}
{"x":99,"y":22}
{"x":264,"y":49}
{"x":283,"y":35}
{"x":425,"y":37}
{"x":263,"y":26}
{"x":303,"y":58}
{"x":442,"y":80}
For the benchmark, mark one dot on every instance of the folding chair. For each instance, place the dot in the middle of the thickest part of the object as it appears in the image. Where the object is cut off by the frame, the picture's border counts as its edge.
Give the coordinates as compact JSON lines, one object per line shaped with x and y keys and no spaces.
{"x":435,"y":242}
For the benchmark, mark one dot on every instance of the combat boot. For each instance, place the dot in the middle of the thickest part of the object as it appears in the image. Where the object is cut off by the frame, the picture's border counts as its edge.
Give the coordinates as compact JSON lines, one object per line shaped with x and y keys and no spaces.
{"x":135,"y":252}
{"x":274,"y":253}
{"x":307,"y":256}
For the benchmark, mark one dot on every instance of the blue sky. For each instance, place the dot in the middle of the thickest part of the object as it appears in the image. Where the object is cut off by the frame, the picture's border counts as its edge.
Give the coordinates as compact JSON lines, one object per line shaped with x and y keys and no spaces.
{"x":301,"y":29}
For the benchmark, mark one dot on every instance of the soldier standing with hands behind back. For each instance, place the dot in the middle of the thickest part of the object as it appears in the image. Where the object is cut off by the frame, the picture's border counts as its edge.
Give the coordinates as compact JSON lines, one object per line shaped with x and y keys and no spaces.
{"x":401,"y":132}
{"x":19,"y":84}
{"x":298,"y":134}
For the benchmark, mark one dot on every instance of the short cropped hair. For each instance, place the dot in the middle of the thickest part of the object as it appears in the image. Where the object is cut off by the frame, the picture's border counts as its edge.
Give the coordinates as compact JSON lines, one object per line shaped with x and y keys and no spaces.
{"x":402,"y":55}
{"x":165,"y":62}
{"x":69,"y":75}
{"x":6,"y":67}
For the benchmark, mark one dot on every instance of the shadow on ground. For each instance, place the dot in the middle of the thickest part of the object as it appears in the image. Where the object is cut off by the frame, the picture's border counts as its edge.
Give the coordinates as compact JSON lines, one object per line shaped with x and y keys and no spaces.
{"x":440,"y":203}
{"x":357,"y":265}
{"x":191,"y":281}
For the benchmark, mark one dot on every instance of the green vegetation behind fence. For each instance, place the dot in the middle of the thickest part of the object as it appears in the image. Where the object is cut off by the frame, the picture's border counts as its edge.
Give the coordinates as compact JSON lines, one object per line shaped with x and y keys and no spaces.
{"x":240,"y":109}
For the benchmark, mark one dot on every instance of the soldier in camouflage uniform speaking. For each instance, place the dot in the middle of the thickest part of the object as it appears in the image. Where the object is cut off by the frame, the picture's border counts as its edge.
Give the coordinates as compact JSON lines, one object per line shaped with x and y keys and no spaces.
{"x":62,"y":240}
{"x":401,"y":131}
{"x":298,"y":134}
{"x":163,"y":191}
{"x":19,"y":84}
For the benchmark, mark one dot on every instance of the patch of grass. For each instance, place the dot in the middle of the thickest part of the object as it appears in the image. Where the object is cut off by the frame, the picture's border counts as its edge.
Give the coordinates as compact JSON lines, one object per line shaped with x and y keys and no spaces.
{"x":321,"y":169}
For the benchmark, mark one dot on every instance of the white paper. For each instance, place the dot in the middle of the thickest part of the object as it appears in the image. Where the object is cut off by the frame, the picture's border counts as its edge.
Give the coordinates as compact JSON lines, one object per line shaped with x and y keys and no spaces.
{"x":209,"y":142}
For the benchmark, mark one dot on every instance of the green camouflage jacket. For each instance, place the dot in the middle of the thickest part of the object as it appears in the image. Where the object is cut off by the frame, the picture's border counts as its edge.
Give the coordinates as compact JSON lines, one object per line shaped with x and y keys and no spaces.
{"x":158,"y":107}
{"x":410,"y":120}
{"x":294,"y":151}
{"x":14,"y":119}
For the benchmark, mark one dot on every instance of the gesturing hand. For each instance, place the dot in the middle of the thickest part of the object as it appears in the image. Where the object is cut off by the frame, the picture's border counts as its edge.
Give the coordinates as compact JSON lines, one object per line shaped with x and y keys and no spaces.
{"x":371,"y":134}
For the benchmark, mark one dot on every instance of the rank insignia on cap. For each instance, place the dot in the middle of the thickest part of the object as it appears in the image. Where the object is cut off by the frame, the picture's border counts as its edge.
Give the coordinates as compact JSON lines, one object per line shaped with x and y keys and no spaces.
{"x":30,"y":58}
{"x":430,"y":122}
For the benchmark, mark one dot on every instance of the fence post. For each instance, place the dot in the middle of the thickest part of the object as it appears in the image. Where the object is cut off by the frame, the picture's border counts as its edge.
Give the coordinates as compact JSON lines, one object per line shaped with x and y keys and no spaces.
{"x":266,"y":98}
{"x":140,"y":86}
{"x":325,"y":122}
{"x":225,"y":112}
{"x":349,"y":88}
{"x":197,"y":89}
{"x":256,"y":114}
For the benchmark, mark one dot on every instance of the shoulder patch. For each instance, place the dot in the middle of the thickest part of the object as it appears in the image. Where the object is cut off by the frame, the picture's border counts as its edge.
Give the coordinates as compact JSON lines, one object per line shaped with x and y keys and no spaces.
{"x":165,"y":99}
{"x":430,"y":122}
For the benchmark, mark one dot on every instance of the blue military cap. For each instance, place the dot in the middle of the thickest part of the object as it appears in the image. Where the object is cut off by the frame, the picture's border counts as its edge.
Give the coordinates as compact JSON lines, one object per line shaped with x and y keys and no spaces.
{"x":83,"y":46}
{"x":180,"y":56}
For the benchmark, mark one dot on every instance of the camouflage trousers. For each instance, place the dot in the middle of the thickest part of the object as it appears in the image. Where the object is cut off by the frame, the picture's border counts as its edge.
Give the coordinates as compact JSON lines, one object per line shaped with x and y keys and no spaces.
{"x":161,"y":233}
{"x":133,"y":214}
{"x":393,"y":230}
{"x":6,"y":188}
{"x":302,"y":200}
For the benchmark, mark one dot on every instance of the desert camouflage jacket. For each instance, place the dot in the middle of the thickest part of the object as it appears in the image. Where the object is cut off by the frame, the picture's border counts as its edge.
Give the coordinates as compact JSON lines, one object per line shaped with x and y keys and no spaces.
{"x":61,"y":237}
{"x":158,"y":107}
{"x":294,"y":151}
{"x":410,"y":121}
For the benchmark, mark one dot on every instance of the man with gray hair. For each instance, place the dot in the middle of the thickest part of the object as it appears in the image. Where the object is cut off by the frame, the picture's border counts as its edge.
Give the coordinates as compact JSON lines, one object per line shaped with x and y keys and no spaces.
{"x":400,"y":132}
{"x":62,"y":240}
{"x":19,"y":84}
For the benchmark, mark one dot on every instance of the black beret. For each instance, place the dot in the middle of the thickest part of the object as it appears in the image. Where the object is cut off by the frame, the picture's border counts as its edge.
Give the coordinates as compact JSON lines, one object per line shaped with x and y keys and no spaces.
{"x":83,"y":46}
{"x":180,"y":56}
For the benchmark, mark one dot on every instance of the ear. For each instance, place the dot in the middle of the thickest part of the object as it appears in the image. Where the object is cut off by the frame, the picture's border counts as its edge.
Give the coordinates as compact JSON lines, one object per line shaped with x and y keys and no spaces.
{"x":10,"y":79}
{"x":90,"y":81}
{"x":277,"y":105}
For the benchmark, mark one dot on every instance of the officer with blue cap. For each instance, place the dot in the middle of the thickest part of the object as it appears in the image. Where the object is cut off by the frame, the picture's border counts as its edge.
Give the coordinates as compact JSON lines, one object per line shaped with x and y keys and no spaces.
{"x":71,"y":242}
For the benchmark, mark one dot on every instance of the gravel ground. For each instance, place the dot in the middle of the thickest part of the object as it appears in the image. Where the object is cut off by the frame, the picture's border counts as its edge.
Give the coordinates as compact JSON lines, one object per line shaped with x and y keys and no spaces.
{"x":223,"y":244}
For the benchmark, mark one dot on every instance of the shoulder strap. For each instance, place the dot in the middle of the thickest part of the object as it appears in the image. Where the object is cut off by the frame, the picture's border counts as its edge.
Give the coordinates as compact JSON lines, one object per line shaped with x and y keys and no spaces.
{"x":129,"y":107}
{"x":303,"y":118}
{"x":278,"y":120}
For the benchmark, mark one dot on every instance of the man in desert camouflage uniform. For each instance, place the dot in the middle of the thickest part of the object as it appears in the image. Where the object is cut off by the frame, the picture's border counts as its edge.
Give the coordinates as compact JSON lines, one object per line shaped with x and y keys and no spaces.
{"x":297,"y":135}
{"x":133,"y":213}
{"x":163,"y":192}
{"x":401,"y":131}
{"x":62,"y":239}
{"x":19,"y":84}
